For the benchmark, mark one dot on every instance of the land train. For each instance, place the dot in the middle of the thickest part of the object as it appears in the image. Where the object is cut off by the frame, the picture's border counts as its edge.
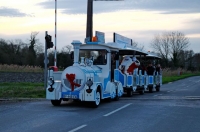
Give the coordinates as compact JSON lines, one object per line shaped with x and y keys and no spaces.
{"x":92,"y":80}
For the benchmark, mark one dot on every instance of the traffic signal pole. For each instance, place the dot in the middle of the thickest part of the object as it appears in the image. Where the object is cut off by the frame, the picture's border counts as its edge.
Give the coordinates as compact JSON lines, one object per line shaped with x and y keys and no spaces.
{"x":45,"y":63}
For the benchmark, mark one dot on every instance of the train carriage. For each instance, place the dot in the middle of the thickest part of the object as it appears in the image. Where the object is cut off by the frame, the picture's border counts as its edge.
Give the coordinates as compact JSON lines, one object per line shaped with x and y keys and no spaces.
{"x":155,"y":81}
{"x":132,"y":81}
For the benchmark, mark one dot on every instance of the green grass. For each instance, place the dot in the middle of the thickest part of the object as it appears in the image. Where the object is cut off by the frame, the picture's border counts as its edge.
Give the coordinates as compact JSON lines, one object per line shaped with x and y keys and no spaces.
{"x":22,"y":90}
{"x":167,"y":79}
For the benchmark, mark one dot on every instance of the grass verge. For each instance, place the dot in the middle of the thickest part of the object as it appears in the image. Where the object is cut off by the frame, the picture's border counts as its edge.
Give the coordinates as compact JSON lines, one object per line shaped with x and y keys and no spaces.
{"x":167,"y":79}
{"x":22,"y":90}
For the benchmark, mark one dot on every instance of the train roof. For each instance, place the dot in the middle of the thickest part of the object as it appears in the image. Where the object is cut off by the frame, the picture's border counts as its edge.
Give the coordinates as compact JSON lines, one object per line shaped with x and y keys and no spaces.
{"x":153,"y":55}
{"x":123,"y":50}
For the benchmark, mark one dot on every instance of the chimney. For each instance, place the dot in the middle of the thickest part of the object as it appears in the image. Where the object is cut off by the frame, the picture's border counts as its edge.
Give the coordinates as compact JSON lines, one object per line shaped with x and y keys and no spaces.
{"x":76,"y":44}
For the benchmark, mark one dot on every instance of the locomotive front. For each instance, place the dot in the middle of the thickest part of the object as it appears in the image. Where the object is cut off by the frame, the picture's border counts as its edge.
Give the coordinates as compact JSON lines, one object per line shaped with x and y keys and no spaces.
{"x":74,"y":78}
{"x":75,"y":82}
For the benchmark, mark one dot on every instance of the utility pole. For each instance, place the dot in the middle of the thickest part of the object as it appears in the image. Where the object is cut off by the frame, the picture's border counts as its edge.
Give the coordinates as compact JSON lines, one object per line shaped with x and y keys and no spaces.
{"x":89,"y":28}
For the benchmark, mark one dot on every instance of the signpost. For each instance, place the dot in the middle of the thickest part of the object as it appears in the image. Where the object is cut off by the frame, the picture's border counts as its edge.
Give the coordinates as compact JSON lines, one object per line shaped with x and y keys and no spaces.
{"x":122,"y":40}
{"x":100,"y":36}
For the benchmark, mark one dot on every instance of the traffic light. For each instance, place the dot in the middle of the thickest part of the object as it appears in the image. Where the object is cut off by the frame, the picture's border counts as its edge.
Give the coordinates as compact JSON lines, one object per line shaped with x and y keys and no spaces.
{"x":49,"y":44}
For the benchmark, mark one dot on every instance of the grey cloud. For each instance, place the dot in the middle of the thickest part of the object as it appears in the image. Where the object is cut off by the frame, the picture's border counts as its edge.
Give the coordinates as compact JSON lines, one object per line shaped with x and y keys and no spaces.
{"x":194,"y":21}
{"x":11,"y":12}
{"x":192,"y":25}
{"x":165,"y":6}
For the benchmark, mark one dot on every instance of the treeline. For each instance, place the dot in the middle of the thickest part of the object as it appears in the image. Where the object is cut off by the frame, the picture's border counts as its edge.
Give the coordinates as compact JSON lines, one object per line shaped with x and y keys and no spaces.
{"x":187,"y":60}
{"x":171,"y":46}
{"x":31,"y":53}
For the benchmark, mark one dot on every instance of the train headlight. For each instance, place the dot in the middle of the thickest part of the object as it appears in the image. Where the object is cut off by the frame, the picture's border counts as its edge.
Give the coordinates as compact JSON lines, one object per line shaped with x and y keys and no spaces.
{"x":89,"y":83}
{"x":50,"y":89}
{"x":50,"y":81}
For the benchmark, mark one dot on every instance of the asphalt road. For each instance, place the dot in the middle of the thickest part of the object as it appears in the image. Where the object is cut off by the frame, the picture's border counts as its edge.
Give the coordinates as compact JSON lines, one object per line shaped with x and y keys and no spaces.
{"x":176,"y":108}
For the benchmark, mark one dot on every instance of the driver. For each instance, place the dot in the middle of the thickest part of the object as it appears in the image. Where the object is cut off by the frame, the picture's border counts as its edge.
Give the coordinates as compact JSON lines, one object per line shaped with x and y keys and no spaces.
{"x":101,"y":59}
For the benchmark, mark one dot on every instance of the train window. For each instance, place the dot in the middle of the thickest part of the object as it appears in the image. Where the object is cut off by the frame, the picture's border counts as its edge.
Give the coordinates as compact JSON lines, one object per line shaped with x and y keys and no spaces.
{"x":99,"y":56}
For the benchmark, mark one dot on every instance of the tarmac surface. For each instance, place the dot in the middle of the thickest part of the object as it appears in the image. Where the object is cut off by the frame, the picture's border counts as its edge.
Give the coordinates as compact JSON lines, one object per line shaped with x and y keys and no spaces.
{"x":176,"y":108}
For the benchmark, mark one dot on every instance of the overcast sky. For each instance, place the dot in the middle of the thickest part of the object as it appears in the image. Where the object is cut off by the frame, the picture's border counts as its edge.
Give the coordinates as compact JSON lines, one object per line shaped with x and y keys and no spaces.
{"x":139,"y":20}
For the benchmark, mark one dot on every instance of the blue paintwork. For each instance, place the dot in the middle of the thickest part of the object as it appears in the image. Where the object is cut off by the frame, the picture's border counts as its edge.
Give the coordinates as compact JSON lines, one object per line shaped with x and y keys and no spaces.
{"x":106,"y":81}
{"x":137,"y":80}
{"x":106,"y":95}
{"x":91,"y":71}
{"x":143,"y":80}
{"x":150,"y":79}
{"x":116,"y":75}
{"x":129,"y":80}
{"x":120,"y":77}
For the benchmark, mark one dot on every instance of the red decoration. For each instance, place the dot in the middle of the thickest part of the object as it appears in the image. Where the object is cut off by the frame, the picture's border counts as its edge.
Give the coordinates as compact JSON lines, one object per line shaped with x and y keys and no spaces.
{"x":71,"y":78}
{"x":132,"y":67}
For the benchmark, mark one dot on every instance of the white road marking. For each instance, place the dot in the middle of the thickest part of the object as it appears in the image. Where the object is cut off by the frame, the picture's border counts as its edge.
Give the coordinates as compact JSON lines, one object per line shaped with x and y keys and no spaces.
{"x":118,"y":109}
{"x":182,"y":89}
{"x":78,"y":128}
{"x":192,"y":96}
{"x":158,"y":95}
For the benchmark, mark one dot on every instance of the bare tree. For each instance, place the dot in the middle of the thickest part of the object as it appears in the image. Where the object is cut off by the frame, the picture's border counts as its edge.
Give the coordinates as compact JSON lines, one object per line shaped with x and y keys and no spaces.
{"x":160,"y":44}
{"x":178,"y":42}
{"x":186,"y":58}
{"x":32,"y":53}
{"x":67,"y":49}
{"x":170,"y":45}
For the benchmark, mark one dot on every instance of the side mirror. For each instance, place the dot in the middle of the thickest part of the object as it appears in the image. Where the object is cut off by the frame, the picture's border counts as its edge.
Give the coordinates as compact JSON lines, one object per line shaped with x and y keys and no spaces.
{"x":116,"y":56}
{"x":72,"y":55}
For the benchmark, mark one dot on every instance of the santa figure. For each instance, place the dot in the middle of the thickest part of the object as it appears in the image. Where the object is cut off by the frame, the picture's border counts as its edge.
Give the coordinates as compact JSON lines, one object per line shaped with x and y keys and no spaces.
{"x":135,"y":64}
{"x":128,"y":65}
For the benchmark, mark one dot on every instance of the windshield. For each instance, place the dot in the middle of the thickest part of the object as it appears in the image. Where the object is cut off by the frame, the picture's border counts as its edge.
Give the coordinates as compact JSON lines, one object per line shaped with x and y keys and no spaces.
{"x":99,"y":57}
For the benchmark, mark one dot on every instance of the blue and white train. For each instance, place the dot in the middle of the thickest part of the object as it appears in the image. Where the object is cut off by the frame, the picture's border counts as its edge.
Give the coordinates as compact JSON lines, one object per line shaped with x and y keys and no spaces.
{"x":93,"y":80}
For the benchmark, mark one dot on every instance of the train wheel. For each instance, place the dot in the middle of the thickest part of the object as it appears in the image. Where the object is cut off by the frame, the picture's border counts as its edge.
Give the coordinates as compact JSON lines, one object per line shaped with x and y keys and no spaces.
{"x":129,"y":93}
{"x":97,"y":101}
{"x":141,"y":92}
{"x":150,"y":89}
{"x":116,"y":98}
{"x":157,"y":88}
{"x":108,"y":99}
{"x":56,"y":102}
